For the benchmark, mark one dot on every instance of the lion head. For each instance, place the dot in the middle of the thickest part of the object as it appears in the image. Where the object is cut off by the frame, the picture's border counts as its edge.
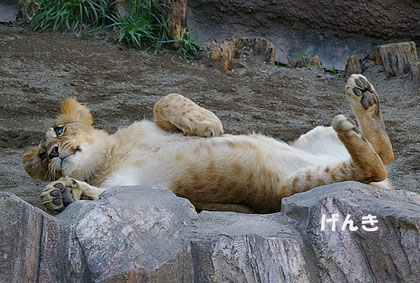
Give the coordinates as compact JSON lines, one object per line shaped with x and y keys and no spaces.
{"x":71,"y":148}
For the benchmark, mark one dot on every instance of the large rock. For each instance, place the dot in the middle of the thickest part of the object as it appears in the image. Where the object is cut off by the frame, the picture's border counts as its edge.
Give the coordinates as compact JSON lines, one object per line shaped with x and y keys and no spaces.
{"x":8,"y":11}
{"x":234,"y":247}
{"x":29,"y":242}
{"x":139,"y":234}
{"x":133,"y":234}
{"x":390,"y":254}
{"x":146,"y":234}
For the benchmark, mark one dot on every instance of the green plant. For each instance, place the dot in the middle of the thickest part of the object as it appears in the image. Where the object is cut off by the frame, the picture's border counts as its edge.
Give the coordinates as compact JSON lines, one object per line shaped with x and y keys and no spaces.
{"x":188,"y":48}
{"x":333,"y":71}
{"x":144,"y":25}
{"x":73,"y":15}
{"x":280,"y":64}
{"x":304,"y":57}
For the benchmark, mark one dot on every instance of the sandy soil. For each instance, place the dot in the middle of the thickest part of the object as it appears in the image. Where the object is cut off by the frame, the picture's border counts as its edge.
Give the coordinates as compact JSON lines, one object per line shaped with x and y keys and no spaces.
{"x":37,"y":71}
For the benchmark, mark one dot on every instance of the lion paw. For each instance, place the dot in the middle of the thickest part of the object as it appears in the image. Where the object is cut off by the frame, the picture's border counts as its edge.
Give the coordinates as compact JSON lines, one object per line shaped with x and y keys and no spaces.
{"x":205,"y":127}
{"x":177,"y":113}
{"x":360,"y":91}
{"x":59,"y":194}
{"x":342,"y":125}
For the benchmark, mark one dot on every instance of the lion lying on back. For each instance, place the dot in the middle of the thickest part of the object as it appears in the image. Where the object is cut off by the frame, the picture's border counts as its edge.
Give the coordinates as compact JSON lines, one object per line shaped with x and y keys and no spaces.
{"x":185,"y":151}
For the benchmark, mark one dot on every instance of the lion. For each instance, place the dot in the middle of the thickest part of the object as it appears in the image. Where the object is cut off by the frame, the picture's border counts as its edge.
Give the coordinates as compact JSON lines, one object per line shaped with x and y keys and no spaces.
{"x":186,"y":151}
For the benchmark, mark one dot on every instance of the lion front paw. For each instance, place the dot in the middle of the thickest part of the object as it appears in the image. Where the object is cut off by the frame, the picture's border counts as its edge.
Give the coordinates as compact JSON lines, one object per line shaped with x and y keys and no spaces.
{"x":59,"y":194}
{"x":203,"y":127}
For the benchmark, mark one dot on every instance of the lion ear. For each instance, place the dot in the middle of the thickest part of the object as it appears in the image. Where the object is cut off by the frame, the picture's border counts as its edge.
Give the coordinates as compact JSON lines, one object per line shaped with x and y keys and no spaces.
{"x":72,"y":111}
{"x":34,"y":165}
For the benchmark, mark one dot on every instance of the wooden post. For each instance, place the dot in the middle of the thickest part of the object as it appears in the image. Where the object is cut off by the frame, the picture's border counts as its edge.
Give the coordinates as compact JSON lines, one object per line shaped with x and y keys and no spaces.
{"x":353,"y":66}
{"x":396,"y":57}
{"x":177,"y":13}
{"x":415,"y":71}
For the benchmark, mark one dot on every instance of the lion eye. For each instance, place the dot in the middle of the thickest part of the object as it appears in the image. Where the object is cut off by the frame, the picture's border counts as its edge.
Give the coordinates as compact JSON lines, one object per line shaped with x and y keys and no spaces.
{"x":58,"y":131}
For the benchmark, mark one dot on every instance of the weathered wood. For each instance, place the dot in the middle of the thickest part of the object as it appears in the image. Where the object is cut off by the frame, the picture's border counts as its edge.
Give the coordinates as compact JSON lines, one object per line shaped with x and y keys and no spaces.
{"x":396,"y":57}
{"x":376,"y":55}
{"x":353,"y":66}
{"x":306,"y":61}
{"x":415,"y":71}
{"x":177,"y":13}
{"x":221,"y":55}
{"x":29,"y":243}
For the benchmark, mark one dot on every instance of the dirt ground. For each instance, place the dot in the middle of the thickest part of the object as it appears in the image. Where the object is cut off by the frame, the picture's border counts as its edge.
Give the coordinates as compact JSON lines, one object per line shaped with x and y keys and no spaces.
{"x":37,"y":71}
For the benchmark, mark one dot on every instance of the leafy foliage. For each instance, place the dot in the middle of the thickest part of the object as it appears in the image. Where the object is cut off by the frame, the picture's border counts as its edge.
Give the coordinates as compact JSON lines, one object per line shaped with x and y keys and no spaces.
{"x":143,"y":26}
{"x":188,"y":48}
{"x":333,"y":71}
{"x":73,"y":15}
{"x":304,"y":57}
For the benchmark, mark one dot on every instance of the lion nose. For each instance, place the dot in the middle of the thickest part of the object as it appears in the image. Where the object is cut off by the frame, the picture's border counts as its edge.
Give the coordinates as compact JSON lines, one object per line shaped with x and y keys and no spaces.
{"x":54,"y":152}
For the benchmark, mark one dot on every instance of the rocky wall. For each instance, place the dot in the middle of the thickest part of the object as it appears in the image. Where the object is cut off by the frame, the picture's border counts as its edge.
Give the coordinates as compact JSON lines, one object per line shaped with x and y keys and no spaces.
{"x":333,"y":30}
{"x":147,"y":234}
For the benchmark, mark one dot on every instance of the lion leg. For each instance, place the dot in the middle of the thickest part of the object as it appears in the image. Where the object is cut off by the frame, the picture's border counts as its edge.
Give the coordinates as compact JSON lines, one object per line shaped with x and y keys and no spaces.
{"x":365,"y":104}
{"x":175,"y":113}
{"x":364,"y":164}
{"x":59,"y":194}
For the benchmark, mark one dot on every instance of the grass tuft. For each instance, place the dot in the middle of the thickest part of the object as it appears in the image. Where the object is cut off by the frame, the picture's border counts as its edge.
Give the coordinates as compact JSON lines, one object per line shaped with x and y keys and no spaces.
{"x":143,"y":26}
{"x":73,"y":15}
{"x":188,"y":48}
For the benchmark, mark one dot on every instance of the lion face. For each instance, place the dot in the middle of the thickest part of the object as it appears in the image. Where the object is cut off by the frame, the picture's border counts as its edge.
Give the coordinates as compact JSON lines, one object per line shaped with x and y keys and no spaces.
{"x":68,"y":148}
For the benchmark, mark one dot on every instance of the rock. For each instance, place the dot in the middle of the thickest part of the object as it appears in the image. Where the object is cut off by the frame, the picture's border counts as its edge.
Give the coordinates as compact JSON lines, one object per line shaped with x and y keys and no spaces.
{"x":8,"y":11}
{"x":396,"y":57}
{"x":147,"y":234}
{"x":135,"y":234}
{"x":391,"y":254}
{"x":132,"y":234}
{"x":306,"y":61}
{"x":222,"y":55}
{"x":29,"y":242}
{"x":353,"y":66}
{"x":233,"y":247}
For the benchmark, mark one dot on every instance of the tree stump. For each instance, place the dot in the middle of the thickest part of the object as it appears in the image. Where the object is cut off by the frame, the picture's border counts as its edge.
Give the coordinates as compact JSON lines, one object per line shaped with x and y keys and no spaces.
{"x":415,"y":71}
{"x":396,"y":57}
{"x":177,"y":13}
{"x":221,"y":55}
{"x":353,"y":66}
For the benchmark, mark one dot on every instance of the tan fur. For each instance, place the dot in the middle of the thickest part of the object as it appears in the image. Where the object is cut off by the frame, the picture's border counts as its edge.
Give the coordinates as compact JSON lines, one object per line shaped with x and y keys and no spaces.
{"x":245,"y":173}
{"x":176,"y":113}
